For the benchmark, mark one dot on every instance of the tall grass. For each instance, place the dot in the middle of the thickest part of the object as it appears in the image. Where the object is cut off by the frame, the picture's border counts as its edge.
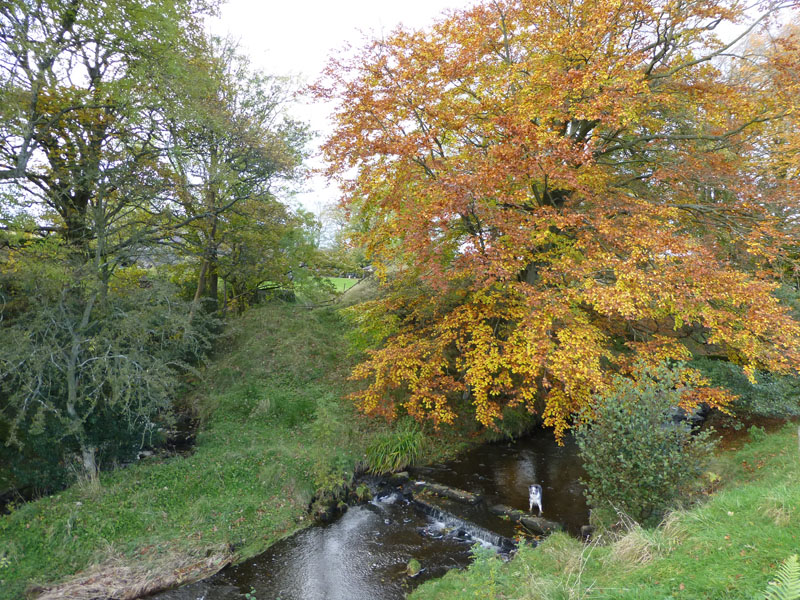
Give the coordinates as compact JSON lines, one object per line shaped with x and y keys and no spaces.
{"x":395,"y":450}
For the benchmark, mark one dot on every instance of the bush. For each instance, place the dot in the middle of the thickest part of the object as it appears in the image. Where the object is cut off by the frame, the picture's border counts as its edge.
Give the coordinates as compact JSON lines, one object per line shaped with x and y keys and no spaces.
{"x":87,"y":372}
{"x":637,"y":458}
{"x":772,"y":396}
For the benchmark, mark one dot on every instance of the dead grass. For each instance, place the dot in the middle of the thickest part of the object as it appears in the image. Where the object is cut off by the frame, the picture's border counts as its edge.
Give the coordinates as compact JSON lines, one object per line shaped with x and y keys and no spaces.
{"x":120,"y":578}
{"x":638,"y":546}
{"x":365,"y":289}
{"x":777,"y":507}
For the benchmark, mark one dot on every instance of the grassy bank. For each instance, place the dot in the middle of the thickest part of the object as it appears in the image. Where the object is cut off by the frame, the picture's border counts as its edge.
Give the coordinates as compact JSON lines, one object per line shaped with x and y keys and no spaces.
{"x":728,"y":547}
{"x":275,"y":429}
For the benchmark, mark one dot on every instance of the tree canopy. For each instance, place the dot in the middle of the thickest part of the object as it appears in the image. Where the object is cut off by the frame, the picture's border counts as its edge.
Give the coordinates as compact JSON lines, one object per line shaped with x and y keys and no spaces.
{"x":555,"y":191}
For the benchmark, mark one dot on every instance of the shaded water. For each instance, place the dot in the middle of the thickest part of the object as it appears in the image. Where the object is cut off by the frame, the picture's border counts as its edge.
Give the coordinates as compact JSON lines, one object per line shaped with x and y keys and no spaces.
{"x":502,"y":473}
{"x":363,"y":555}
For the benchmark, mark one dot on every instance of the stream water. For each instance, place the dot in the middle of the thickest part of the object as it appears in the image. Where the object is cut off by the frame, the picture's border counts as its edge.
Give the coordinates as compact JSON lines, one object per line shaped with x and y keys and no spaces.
{"x":363,"y":555}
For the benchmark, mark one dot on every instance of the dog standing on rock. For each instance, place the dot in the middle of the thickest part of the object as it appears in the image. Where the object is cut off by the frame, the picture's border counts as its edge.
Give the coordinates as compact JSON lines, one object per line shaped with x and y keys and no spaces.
{"x":535,"y":497}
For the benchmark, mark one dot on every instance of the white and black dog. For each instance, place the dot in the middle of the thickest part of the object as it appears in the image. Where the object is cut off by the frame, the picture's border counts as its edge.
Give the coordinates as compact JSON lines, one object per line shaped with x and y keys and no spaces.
{"x":535,"y":497}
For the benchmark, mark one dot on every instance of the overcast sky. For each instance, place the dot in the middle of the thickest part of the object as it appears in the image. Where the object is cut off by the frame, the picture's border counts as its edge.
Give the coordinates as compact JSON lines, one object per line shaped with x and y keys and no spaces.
{"x":295,"y":37}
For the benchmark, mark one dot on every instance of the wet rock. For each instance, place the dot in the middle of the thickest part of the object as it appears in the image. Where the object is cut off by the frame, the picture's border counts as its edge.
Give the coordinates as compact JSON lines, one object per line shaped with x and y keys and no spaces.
{"x":587,"y":531}
{"x":323,"y":511}
{"x":695,"y":418}
{"x":447,"y":492}
{"x":537,"y":525}
{"x":413,"y":568}
{"x":451,"y":525}
{"x":398,"y":479}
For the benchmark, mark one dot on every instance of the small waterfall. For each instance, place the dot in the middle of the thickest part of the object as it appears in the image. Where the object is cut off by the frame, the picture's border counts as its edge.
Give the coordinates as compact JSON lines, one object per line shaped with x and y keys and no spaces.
{"x":389,"y":498}
{"x":460,"y":528}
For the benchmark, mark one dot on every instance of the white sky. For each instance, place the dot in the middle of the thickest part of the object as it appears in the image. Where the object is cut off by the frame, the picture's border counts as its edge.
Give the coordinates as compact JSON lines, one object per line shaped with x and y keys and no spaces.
{"x":295,"y":37}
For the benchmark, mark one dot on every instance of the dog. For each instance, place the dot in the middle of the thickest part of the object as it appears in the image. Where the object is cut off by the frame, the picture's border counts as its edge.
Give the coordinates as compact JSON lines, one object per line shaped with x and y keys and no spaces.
{"x":535,"y":497}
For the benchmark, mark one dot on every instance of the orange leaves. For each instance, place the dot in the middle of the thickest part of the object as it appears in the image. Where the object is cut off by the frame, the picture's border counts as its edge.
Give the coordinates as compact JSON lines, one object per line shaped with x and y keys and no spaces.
{"x":558,"y":191}
{"x":697,"y":391}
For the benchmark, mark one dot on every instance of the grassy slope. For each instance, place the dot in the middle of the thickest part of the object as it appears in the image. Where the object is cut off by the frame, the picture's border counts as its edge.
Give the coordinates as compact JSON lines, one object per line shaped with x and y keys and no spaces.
{"x":275,"y":430}
{"x":727,"y":548}
{"x":342,"y":284}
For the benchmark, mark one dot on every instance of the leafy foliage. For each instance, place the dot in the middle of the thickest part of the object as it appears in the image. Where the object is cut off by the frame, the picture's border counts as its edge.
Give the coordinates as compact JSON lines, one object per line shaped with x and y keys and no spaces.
{"x":87,"y":376}
{"x":129,"y":140}
{"x":552,"y":193}
{"x":637,"y":458}
{"x":717,"y":549}
{"x":235,"y":150}
{"x":767,"y":394}
{"x":224,"y":493}
{"x":787,"y":581}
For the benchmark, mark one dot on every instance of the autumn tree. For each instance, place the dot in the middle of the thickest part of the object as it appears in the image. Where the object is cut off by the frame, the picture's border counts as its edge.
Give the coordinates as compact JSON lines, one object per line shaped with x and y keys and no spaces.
{"x":558,"y":190}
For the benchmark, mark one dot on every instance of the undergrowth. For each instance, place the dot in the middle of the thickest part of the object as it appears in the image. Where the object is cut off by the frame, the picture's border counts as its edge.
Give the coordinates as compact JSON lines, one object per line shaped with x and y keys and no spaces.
{"x":395,"y":450}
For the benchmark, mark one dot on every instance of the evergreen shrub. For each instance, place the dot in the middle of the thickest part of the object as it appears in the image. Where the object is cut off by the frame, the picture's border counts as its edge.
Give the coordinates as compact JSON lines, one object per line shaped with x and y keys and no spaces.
{"x":638,"y":459}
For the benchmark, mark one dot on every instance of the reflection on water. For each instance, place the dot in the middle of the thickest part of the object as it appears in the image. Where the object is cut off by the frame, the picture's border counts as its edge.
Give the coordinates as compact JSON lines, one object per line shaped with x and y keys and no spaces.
{"x":502,"y":473}
{"x":364,"y":554}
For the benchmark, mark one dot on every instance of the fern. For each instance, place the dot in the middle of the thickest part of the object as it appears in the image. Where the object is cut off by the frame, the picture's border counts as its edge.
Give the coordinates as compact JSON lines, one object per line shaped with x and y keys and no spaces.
{"x":787,"y":581}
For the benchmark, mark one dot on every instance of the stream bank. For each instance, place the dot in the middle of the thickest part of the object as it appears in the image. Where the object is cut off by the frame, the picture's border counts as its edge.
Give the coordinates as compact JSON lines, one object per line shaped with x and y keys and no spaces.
{"x":727,"y":544}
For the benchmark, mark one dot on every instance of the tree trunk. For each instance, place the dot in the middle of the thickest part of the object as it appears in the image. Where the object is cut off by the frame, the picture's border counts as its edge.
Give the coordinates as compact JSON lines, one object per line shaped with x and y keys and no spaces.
{"x":89,"y":462}
{"x":212,"y":284}
{"x":224,"y":297}
{"x":76,"y":420}
{"x":198,"y":293}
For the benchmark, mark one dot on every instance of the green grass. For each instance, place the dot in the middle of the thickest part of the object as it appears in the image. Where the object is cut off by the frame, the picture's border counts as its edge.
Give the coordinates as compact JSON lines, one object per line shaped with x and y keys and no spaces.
{"x":728,"y":547}
{"x":342,"y":284}
{"x":275,"y":429}
{"x":395,"y":450}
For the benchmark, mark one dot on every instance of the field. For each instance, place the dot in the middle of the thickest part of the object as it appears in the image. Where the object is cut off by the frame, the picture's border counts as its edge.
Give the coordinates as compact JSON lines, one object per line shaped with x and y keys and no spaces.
{"x":342,"y":284}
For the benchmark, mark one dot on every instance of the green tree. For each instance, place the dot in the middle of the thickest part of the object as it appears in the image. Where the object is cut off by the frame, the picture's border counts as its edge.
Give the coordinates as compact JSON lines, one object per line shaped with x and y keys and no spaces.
{"x":232,"y":154}
{"x":144,"y":142}
{"x":81,"y":153}
{"x":84,"y":377}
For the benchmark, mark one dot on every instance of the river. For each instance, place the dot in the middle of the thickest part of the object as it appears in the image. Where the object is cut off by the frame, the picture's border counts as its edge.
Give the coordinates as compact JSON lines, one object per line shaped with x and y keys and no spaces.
{"x":364,"y":554}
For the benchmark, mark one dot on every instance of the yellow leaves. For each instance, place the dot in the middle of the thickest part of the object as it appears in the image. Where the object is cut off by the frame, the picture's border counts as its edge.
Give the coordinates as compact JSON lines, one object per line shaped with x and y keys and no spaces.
{"x":658,"y":350}
{"x":750,"y":372}
{"x":127,"y":279}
